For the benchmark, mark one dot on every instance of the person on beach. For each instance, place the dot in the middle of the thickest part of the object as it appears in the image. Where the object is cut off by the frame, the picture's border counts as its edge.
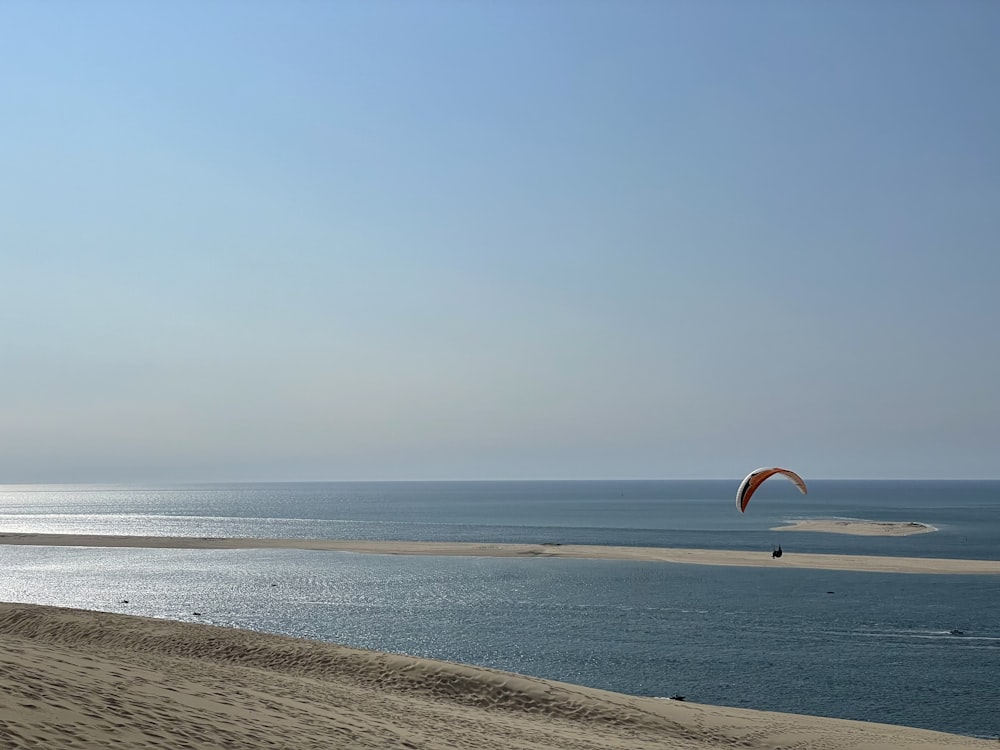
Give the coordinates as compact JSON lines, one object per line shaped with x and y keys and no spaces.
{"x":776,"y":553}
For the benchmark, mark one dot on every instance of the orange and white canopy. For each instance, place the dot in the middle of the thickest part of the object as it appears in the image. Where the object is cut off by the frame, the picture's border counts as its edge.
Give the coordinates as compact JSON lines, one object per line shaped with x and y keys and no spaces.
{"x":756,"y":478}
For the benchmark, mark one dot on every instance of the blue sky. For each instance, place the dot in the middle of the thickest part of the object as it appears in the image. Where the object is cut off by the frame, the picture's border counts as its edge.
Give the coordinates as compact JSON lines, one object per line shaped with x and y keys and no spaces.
{"x":454,"y":239}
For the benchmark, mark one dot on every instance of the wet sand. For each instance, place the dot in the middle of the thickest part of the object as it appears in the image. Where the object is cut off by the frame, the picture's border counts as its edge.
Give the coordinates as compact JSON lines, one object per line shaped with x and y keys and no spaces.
{"x":763,"y":559}
{"x":80,"y":679}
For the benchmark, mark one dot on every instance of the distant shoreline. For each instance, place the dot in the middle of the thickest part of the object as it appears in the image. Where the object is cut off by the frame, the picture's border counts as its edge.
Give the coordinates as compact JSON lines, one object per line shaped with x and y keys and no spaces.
{"x":859,"y":527}
{"x":737,"y":558}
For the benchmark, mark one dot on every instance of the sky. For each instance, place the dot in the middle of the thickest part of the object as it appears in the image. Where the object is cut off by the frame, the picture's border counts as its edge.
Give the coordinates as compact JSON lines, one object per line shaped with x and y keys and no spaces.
{"x":499,"y":239}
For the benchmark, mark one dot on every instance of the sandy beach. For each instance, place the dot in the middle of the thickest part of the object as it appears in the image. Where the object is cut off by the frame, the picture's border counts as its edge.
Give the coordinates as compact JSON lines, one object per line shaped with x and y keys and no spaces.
{"x":762,"y":559}
{"x":81,"y":679}
{"x":860,"y":528}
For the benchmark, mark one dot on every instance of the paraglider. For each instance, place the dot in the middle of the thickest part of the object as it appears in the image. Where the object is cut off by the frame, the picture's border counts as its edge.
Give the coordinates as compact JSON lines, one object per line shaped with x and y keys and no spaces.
{"x":756,"y":477}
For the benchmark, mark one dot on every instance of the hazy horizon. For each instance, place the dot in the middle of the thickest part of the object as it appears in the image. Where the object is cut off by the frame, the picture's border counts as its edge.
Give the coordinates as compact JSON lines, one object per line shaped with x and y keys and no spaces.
{"x":182,"y":485}
{"x":266,"y":241}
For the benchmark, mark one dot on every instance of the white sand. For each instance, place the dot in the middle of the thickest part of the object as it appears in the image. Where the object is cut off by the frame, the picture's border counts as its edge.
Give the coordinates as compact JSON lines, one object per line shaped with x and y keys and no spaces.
{"x":791,"y":559}
{"x":861,"y":528}
{"x":76,"y":679}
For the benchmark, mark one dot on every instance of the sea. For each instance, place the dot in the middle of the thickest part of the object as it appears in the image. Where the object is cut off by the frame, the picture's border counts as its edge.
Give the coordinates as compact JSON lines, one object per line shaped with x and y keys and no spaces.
{"x":917,"y":650}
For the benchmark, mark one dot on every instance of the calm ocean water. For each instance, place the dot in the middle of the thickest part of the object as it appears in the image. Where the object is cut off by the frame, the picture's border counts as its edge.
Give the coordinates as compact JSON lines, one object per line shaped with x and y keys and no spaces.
{"x":867,"y":646}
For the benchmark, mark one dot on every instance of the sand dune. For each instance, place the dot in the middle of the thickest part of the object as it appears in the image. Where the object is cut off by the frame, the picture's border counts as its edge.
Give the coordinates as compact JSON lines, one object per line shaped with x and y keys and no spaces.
{"x":77,"y":679}
{"x":791,"y":559}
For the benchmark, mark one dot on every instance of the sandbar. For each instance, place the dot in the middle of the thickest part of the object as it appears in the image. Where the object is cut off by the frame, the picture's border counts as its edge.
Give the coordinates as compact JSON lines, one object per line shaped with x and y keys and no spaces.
{"x":75,"y":678}
{"x":859,"y":527}
{"x":741,"y":558}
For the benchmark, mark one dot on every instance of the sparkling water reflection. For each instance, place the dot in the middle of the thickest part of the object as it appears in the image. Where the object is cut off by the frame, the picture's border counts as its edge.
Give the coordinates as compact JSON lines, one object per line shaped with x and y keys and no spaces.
{"x":855,"y":645}
{"x":879,"y":647}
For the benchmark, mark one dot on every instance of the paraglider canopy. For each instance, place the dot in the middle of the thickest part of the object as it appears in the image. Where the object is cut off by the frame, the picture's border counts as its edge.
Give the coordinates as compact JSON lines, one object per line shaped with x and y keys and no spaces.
{"x":756,"y":477}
